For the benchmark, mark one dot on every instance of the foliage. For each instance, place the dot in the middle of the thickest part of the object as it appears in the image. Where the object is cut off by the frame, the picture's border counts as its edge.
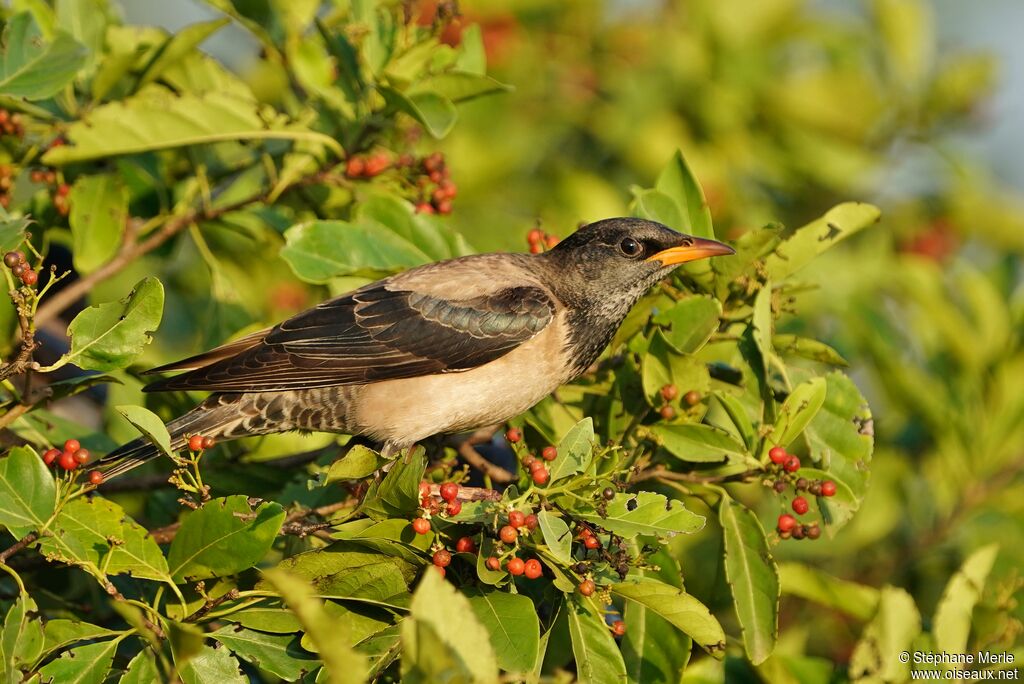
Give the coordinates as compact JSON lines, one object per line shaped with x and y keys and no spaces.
{"x":196,"y":204}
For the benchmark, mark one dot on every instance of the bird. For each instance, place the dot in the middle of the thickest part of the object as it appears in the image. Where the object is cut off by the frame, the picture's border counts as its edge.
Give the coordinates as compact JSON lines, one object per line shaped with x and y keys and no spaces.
{"x":442,"y":348}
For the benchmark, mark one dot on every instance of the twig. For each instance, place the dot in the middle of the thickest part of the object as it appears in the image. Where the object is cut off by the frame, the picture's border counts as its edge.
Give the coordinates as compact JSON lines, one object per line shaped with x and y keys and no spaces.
{"x":17,"y":546}
{"x":660,"y":472}
{"x":13,"y":414}
{"x":472,"y":456}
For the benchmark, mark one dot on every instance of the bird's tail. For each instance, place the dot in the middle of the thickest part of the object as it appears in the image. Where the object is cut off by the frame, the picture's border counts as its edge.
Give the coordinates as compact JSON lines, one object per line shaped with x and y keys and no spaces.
{"x":210,"y":419}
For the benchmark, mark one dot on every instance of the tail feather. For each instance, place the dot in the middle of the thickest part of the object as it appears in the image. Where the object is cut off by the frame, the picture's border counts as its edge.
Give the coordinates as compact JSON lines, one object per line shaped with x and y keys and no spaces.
{"x":207,"y":419}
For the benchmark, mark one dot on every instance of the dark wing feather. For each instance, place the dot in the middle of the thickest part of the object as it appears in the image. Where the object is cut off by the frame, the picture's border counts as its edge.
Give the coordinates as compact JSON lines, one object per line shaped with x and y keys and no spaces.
{"x":376,"y":334}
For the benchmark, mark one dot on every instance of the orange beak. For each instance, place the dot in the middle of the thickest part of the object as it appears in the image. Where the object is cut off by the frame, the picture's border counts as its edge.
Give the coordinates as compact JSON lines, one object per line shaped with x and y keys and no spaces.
{"x":698,"y":248}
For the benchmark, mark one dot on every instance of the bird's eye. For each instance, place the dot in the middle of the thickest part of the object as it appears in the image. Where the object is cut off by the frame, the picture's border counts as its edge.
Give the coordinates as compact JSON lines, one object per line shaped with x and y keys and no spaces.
{"x":630,"y":247}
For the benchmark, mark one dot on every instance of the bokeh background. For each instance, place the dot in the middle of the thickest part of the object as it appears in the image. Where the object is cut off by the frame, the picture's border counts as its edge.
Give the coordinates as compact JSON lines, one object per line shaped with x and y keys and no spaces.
{"x":783,"y":108}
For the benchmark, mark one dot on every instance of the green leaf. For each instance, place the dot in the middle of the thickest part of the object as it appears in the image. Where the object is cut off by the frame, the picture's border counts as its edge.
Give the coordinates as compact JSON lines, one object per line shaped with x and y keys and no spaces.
{"x":60,"y":633}
{"x":28,"y":496}
{"x":678,"y":182}
{"x":655,"y":205}
{"x":810,"y":240}
{"x":21,"y":639}
{"x":330,"y":637}
{"x":907,"y":29}
{"x":109,"y":336}
{"x":33,"y":68}
{"x":211,"y":666}
{"x":556,"y":534}
{"x":157,"y":119}
{"x":398,"y":494}
{"x":457,"y":86}
{"x":841,"y":438}
{"x":436,"y":112}
{"x":439,"y":608}
{"x":349,"y":571}
{"x":87,"y":664}
{"x":739,"y":418}
{"x":663,"y":365}
{"x":952,"y":625}
{"x":797,"y":411}
{"x":574,"y":450}
{"x":428,"y":234}
{"x":678,"y":608}
{"x":265,"y":619}
{"x":890,"y":632}
{"x":223,"y":537}
{"x":511,"y":624}
{"x":321,"y":250}
{"x":150,"y":425}
{"x":359,"y":462}
{"x":653,"y":649}
{"x":97,"y":532}
{"x":278,"y":654}
{"x":12,"y":230}
{"x":698,"y":443}
{"x":856,"y":600}
{"x":644,"y":513}
{"x":753,"y":578}
{"x":141,"y":670}
{"x":691,"y":322}
{"x":99,"y":210}
{"x":183,"y":43}
{"x":807,"y":348}
{"x":598,"y":659}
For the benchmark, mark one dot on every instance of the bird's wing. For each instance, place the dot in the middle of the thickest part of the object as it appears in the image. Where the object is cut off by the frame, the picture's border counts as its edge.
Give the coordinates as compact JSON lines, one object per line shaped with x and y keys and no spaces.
{"x":375,"y":333}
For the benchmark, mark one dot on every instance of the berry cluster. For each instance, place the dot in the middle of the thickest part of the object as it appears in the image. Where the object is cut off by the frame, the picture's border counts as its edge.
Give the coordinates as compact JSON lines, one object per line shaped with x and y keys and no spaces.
{"x":452,"y":506}
{"x":519,"y":523}
{"x":58,"y":191}
{"x":786,"y":466}
{"x":539,"y":472}
{"x":367,"y":166}
{"x":435,"y":184}
{"x":71,"y":457}
{"x":6,"y":182}
{"x":669,"y":393}
{"x":20,"y":268}
{"x":197,"y":443}
{"x":539,"y":241}
{"x":11,"y":124}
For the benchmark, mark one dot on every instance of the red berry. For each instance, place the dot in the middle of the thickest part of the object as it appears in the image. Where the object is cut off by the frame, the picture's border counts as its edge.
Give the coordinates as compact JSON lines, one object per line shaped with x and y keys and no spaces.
{"x":582,"y":532}
{"x":82,"y":455}
{"x":531,"y":522}
{"x":439,"y":569}
{"x":529,"y":461}
{"x":792,"y":464}
{"x":786,"y":523}
{"x":454,"y":507}
{"x":536,"y":248}
{"x":778,"y":455}
{"x":618,"y":628}
{"x":667,"y":413}
{"x":449,"y":491}
{"x":592,"y":542}
{"x":421,"y":525}
{"x":508,"y":534}
{"x":493,"y":563}
{"x":435,"y":176}
{"x":67,"y":461}
{"x":550,"y":241}
{"x":63,"y":190}
{"x":535,"y":464}
{"x":424,"y":208}
{"x":376,"y":165}
{"x":465,"y":545}
{"x":669,"y":392}
{"x":424,"y":490}
{"x":828,"y":488}
{"x":30,"y":277}
{"x":515,"y":566}
{"x":195,"y":443}
{"x":513,"y":435}
{"x":535,"y":236}
{"x":692,"y":398}
{"x":540,"y":475}
{"x":516,"y":519}
{"x":72,"y":445}
{"x":444,"y":207}
{"x":442,"y":558}
{"x":587,"y":587}
{"x":50,"y":455}
{"x":533,"y":569}
{"x":208,"y":442}
{"x":550,"y":453}
{"x":355,"y":167}
{"x":95,"y":477}
{"x":800,"y":505}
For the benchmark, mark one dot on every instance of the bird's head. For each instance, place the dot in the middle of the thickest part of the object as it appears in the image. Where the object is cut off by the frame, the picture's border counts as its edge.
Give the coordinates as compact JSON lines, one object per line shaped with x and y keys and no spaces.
{"x":610,"y":264}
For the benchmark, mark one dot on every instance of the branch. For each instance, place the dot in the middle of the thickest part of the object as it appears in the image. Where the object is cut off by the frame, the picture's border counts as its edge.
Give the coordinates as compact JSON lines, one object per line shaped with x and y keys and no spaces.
{"x":17,"y":546}
{"x":496,"y":473}
{"x":132,"y":249}
{"x":660,"y":472}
